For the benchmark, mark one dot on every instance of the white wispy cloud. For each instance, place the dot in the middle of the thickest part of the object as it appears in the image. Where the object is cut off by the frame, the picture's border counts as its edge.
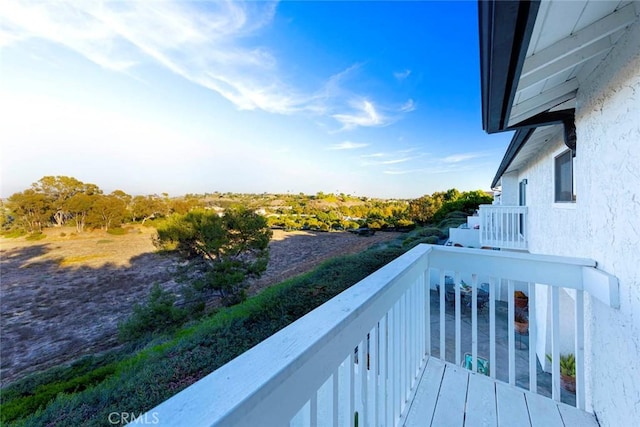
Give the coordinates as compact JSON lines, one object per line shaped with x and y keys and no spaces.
{"x":396,"y":161}
{"x":402,"y":75}
{"x":348,"y":145}
{"x":394,"y":158}
{"x":387,"y":162}
{"x":363,"y":113}
{"x":366,"y":156}
{"x":401,"y":171}
{"x":457,"y":158}
{"x":209,"y":46}
{"x":202,"y":45}
{"x":408,"y":106}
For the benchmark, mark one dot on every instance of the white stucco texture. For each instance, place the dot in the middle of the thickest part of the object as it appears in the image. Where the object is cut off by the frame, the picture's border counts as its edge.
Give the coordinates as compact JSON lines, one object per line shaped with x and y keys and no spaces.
{"x":603,"y":224}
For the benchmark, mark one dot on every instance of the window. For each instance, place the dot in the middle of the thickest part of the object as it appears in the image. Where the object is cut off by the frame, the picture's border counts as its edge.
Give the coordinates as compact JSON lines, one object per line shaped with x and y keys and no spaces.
{"x":522,"y":201}
{"x":564,"y":182}
{"x":522,"y":193}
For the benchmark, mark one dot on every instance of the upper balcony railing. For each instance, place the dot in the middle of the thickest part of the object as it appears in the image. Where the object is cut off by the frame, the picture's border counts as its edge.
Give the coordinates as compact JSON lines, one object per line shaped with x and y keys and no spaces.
{"x":359,"y":355}
{"x":503,"y":226}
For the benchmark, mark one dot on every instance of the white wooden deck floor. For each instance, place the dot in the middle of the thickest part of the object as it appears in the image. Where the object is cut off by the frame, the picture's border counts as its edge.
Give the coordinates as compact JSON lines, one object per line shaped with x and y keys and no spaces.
{"x":449,"y":395}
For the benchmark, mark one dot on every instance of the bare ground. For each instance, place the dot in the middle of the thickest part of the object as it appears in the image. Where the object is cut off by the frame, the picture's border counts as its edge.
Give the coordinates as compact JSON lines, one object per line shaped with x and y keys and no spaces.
{"x":62,"y":297}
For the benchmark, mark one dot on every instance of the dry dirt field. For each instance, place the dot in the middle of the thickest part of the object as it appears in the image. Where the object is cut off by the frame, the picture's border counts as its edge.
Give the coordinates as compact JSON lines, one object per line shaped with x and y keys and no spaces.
{"x":62,"y":297}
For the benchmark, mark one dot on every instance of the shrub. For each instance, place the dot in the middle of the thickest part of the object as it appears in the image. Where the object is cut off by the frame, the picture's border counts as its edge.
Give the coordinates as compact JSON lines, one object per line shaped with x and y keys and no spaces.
{"x":36,"y":235}
{"x":117,"y":231}
{"x":228,"y":250}
{"x":430,"y":231}
{"x":12,"y":234}
{"x":457,"y":214}
{"x":36,"y":391}
{"x":159,"y":314}
{"x":411,"y":242}
{"x":445,"y":224}
{"x":159,"y":371}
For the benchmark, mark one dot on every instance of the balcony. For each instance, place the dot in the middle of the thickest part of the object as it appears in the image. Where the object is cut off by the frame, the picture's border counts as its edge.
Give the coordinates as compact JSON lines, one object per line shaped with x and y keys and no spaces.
{"x":388,"y":351}
{"x":503,"y":227}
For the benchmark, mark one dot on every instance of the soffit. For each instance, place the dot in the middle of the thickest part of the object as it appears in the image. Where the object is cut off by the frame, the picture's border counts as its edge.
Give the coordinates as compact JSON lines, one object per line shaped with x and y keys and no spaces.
{"x":538,"y":139}
{"x":569,"y":40}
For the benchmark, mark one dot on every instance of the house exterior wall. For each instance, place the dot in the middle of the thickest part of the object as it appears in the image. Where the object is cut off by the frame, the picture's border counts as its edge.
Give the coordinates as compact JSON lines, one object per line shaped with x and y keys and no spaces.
{"x":608,"y":130}
{"x":603,"y":224}
{"x":467,"y":237}
{"x":548,"y":225}
{"x":509,"y":196}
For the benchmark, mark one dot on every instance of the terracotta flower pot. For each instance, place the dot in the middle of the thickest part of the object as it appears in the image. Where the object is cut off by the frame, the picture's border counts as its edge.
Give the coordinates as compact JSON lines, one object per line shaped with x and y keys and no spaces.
{"x":521,"y":302}
{"x":568,"y":383}
{"x":521,"y":327}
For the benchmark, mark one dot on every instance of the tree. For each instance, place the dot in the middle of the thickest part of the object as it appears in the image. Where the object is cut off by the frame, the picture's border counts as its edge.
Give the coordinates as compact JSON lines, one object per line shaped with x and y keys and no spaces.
{"x":31,"y":208}
{"x":183,"y":205}
{"x":227,"y":249}
{"x":59,"y":190}
{"x":109,"y":210}
{"x":466,"y":202}
{"x":5,"y":216}
{"x":79,"y":206}
{"x":424,"y":208}
{"x":147,"y":207}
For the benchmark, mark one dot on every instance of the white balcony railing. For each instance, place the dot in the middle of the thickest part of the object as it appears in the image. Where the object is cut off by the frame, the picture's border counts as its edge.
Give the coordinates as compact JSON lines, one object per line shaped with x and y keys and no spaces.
{"x":503,"y":226}
{"x":310,"y":374}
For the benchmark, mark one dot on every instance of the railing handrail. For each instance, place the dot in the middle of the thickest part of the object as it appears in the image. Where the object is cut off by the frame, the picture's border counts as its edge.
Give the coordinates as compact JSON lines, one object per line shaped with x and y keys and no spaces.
{"x":235,"y":393}
{"x":503,"y":207}
{"x":272,"y":380}
{"x":503,"y":226}
{"x":544,"y":269}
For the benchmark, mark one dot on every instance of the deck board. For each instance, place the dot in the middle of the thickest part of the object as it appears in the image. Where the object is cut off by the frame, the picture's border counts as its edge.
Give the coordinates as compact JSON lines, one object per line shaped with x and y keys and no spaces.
{"x":424,"y":402}
{"x":450,"y":408}
{"x":543,"y":412}
{"x":449,"y":395}
{"x":573,"y":417}
{"x":481,"y":402}
{"x":512,"y":406}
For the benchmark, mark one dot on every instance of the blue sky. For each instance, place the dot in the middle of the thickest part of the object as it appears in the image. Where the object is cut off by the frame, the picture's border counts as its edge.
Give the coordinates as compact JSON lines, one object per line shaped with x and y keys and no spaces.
{"x":377,"y":99}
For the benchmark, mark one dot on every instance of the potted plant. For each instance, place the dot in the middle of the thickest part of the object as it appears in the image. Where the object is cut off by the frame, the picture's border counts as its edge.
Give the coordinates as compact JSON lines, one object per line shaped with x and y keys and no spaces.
{"x":521,"y":322}
{"x":567,"y":371}
{"x":521,"y":299}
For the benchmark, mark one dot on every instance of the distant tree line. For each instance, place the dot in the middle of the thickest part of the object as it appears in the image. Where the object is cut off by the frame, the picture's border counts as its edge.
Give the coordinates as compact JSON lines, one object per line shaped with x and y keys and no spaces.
{"x":434,"y":208}
{"x":55,"y":201}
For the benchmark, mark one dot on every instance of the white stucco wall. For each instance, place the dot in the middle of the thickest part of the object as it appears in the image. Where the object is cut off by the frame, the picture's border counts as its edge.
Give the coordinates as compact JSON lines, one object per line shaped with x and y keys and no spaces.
{"x":603,"y":224}
{"x":509,"y":182}
{"x":467,"y":237}
{"x":608,"y":130}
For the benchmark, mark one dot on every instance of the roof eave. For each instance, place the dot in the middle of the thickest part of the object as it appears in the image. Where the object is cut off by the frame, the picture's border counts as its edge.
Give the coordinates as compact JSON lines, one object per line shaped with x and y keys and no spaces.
{"x":503,"y":50}
{"x":524,"y":131}
{"x":517,"y":142}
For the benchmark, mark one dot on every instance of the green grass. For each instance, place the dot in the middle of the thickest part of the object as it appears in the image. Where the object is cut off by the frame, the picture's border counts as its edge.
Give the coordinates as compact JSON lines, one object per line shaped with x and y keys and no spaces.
{"x":13,"y":234}
{"x":137,"y":381}
{"x":117,"y":231}
{"x":36,"y":235}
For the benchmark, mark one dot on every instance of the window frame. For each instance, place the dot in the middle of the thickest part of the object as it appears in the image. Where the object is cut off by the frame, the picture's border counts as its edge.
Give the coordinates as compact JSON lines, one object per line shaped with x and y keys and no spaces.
{"x":557,"y":175}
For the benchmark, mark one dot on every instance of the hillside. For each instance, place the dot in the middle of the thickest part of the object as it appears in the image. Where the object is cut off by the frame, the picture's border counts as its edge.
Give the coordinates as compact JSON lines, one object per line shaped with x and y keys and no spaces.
{"x":63,"y":296}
